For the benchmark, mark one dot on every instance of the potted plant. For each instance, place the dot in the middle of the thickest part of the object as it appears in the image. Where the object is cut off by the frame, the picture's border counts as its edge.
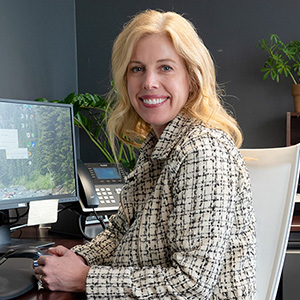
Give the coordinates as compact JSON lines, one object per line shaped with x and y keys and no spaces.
{"x":283,"y":59}
{"x":89,"y":115}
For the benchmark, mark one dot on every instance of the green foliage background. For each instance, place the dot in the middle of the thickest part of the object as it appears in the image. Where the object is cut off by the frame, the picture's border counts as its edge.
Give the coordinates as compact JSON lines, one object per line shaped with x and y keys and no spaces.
{"x":283,"y":58}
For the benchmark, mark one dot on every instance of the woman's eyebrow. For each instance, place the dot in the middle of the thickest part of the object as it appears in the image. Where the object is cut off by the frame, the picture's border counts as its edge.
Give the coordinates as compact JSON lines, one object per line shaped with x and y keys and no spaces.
{"x":166,"y":60}
{"x":135,"y":62}
{"x":158,"y":61}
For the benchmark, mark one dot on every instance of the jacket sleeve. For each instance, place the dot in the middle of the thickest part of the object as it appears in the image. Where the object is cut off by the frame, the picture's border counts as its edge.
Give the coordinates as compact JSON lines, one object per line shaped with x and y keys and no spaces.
{"x":199,"y":228}
{"x":100,"y":250}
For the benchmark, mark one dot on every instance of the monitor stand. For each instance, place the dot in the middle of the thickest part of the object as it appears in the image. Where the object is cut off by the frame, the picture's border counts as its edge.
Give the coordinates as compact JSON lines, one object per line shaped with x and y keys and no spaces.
{"x":7,"y":243}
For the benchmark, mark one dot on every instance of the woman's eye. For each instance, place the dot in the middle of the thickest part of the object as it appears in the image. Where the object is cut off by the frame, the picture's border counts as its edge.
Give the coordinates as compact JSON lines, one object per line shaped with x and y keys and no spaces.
{"x":136,"y":69}
{"x":166,"y":68}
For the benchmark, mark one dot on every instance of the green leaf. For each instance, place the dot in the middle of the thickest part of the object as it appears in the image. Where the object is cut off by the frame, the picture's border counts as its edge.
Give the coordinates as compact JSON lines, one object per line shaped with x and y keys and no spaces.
{"x":97,"y":131}
{"x":41,"y":100}
{"x":76,"y":108}
{"x":89,"y":124}
{"x":82,"y":119}
{"x":70,"y":98}
{"x":266,"y":75}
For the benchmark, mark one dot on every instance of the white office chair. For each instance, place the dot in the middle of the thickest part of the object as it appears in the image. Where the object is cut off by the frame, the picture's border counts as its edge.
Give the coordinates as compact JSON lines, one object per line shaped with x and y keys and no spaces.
{"x":274,"y":177}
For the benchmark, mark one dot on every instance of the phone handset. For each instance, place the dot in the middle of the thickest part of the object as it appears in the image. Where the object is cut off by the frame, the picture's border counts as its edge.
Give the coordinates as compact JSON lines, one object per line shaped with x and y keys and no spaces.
{"x":87,"y":190}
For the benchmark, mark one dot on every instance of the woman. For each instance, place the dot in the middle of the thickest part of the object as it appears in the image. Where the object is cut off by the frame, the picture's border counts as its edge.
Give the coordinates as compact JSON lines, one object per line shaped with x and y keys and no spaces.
{"x":185,"y":228}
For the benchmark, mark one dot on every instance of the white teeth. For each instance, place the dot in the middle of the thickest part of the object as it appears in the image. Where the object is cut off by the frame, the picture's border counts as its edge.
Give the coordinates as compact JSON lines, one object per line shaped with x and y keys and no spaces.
{"x":154,"y":101}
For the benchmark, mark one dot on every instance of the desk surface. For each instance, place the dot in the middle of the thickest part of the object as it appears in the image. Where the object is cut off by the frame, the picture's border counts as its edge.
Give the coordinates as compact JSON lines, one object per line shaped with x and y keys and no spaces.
{"x":44,"y":235}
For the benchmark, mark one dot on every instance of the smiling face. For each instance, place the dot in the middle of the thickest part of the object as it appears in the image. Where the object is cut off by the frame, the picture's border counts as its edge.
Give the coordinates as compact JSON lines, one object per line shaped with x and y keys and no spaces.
{"x":157,"y":81}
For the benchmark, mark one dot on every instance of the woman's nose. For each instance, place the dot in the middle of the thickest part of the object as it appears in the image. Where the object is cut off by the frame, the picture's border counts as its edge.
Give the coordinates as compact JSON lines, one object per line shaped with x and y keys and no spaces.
{"x":150,"y":80}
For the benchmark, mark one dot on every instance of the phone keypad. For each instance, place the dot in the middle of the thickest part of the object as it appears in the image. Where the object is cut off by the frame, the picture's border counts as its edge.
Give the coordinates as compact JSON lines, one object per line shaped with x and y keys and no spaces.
{"x":105,"y":195}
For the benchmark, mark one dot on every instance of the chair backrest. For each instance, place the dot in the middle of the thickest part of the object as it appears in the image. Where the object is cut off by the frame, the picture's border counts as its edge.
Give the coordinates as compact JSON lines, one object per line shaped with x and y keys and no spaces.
{"x":274,"y":174}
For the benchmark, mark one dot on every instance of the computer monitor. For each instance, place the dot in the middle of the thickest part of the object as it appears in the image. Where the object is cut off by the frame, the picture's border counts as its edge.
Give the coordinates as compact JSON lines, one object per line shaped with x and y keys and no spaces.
{"x":37,"y":156}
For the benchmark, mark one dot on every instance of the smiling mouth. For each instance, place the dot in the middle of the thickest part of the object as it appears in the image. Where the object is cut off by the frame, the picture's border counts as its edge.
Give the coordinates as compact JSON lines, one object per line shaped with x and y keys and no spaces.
{"x":154,"y":101}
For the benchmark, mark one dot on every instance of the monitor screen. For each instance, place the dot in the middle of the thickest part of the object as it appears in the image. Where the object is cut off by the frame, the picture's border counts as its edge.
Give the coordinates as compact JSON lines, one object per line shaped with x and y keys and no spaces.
{"x":37,"y":153}
{"x":107,"y":173}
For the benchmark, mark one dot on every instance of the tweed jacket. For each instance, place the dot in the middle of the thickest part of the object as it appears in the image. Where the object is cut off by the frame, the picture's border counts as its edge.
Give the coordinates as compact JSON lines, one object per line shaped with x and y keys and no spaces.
{"x":185,"y":228}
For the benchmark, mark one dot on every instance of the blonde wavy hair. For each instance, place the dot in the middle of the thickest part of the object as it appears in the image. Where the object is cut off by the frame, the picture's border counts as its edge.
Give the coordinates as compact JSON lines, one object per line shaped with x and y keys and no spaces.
{"x":204,"y":102}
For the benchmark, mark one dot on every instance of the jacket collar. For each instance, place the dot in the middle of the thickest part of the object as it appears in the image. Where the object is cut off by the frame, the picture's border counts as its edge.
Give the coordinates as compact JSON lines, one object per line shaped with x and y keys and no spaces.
{"x":159,"y":149}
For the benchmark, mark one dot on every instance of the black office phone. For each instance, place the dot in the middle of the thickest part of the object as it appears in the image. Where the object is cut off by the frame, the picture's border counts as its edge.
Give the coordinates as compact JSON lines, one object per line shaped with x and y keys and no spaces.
{"x":100,"y":186}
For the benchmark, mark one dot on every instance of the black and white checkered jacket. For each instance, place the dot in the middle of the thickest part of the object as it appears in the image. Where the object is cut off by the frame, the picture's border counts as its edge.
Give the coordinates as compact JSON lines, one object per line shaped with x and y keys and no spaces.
{"x":186,"y":226}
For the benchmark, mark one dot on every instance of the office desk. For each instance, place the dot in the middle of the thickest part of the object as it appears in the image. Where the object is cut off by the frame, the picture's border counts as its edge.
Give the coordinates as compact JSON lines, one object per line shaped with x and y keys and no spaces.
{"x":42,"y":234}
{"x":69,"y":242}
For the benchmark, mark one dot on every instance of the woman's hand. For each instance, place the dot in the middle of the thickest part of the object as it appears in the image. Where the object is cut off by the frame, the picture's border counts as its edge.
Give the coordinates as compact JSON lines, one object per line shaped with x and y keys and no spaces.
{"x":62,"y":270}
